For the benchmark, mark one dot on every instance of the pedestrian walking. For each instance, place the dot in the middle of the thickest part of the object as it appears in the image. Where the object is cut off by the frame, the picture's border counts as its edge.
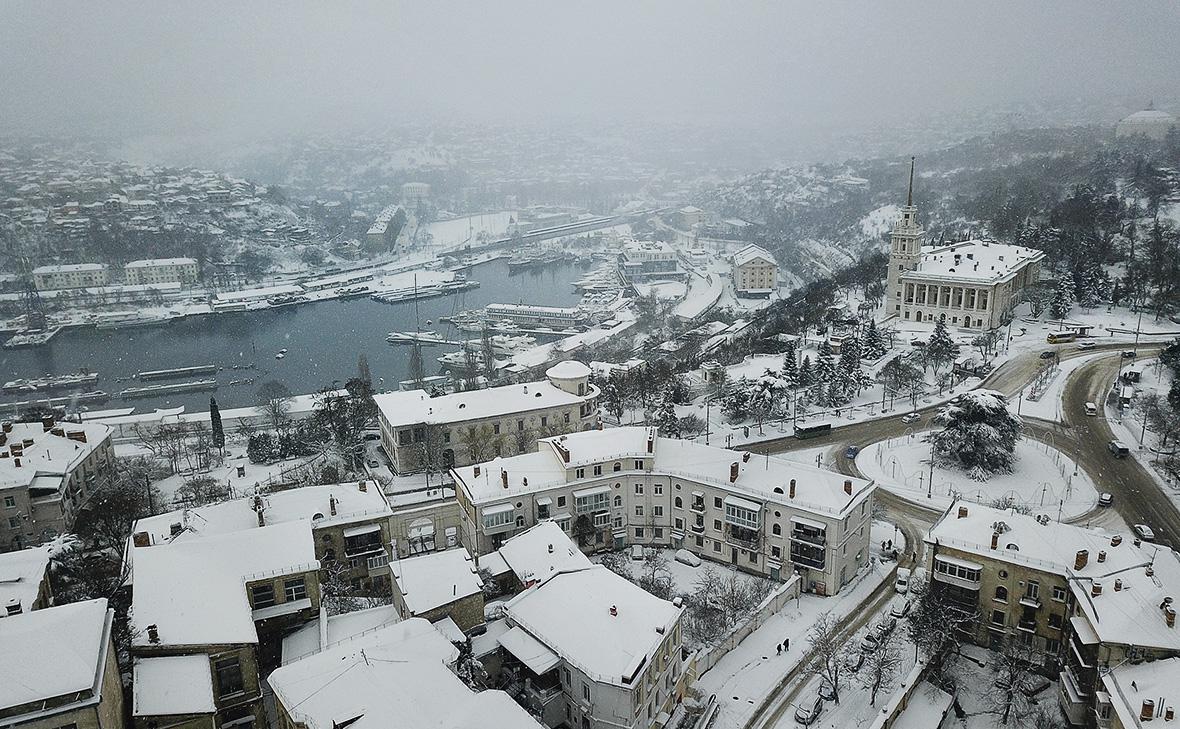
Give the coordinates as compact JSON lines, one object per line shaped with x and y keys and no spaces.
{"x":787,"y":644}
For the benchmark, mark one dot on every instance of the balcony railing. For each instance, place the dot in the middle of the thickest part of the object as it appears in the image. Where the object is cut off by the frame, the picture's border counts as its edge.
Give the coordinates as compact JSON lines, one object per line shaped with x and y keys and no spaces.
{"x":1027,"y":625}
{"x":750,"y":544}
{"x":698,"y":507}
{"x":1032,"y":602}
{"x":963,"y":582}
{"x":816,"y":561}
{"x":809,"y":537}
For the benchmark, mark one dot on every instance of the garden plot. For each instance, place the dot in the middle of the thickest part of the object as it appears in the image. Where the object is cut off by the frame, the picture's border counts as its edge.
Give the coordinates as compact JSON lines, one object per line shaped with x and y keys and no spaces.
{"x":1045,"y":480}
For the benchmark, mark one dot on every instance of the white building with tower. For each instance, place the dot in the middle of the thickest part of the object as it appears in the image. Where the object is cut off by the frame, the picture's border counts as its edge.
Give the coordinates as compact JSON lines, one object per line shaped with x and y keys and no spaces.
{"x":1151,"y":123}
{"x":969,"y":284}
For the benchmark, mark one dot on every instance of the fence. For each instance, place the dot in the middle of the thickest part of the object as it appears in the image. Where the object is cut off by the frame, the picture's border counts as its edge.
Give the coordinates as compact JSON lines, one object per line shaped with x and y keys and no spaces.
{"x":708,"y":657}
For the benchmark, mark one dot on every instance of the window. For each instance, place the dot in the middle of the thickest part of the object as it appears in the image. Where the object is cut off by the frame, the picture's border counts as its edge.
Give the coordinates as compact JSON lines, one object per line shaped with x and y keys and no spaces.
{"x":567,"y":418}
{"x":404,"y":437}
{"x":446,"y":436}
{"x":639,"y":532}
{"x":1033,"y":590}
{"x":639,"y":465}
{"x":229,"y":676}
{"x":716,"y":546}
{"x":1059,"y":593}
{"x":560,"y":501}
{"x":617,"y":467}
{"x":657,"y":533}
{"x":496,"y":429}
{"x":659,"y":489}
{"x":580,"y":473}
{"x":997,"y":617}
{"x":638,"y":489}
{"x":1052,"y":646}
{"x":700,"y":542}
{"x":1002,"y":593}
{"x":776,"y":552}
{"x":294,"y":589}
{"x":419,"y":435}
{"x":592,"y":502}
{"x":618,"y":522}
{"x":657,"y":510}
{"x":601,"y":519}
{"x":9,"y":502}
{"x":598,"y":470}
{"x":639,"y":510}
{"x":678,"y":502}
{"x":585,"y":691}
{"x":716,"y":502}
{"x":544,"y":421}
{"x":776,"y":530}
{"x":497,"y":519}
{"x":1056,"y":620}
{"x":519,"y":426}
{"x":263,"y":595}
{"x":618,"y":501}
{"x":716,"y":525}
{"x":14,"y":522}
{"x":679,"y":524}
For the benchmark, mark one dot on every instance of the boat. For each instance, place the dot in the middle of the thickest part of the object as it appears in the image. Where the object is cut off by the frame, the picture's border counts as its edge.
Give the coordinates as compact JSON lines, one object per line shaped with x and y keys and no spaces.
{"x":283,"y":350}
{"x":280,"y":355}
{"x":130,"y":319}
{"x":31,"y":337}
{"x":280,"y":300}
{"x":78,"y":398}
{"x":170,"y":389}
{"x":51,"y":382}
{"x":419,"y":337}
{"x":177,"y":372}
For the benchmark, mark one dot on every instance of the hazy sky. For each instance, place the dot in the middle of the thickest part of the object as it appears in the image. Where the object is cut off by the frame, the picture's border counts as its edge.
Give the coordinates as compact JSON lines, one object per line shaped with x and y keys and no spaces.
{"x":216,"y":66}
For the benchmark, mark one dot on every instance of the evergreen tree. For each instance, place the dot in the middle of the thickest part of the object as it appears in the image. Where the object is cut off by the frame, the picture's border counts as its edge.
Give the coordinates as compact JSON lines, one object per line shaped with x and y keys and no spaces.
{"x":215,"y":426}
{"x":873,"y":346}
{"x":362,"y":369}
{"x":1062,"y":299}
{"x":825,"y":368}
{"x":852,"y":377}
{"x":417,"y":370}
{"x":979,"y":434}
{"x":941,"y":350}
{"x":806,"y":375}
{"x":665,"y":418}
{"x":790,"y":366}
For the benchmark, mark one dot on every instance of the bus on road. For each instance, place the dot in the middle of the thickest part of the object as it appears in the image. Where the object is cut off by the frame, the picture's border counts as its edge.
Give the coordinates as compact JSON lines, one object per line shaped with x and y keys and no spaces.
{"x":812,"y":431}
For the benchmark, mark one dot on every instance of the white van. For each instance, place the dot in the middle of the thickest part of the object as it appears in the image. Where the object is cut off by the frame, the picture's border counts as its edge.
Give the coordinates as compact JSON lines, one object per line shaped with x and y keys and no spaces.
{"x":1091,"y":409}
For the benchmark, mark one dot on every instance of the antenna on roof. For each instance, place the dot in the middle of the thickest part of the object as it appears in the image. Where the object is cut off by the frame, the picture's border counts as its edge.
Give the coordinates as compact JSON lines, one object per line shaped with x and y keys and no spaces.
{"x":909,"y":199}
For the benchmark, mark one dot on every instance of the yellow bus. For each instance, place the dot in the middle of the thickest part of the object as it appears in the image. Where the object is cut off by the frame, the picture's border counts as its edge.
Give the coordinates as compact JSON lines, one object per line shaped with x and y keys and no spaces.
{"x":1061,"y":337}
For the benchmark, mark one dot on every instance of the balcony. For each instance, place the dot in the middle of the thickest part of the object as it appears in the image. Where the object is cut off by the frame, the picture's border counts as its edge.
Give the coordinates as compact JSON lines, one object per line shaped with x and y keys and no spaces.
{"x":816,"y":538}
{"x":966,"y":583}
{"x":809,"y":557}
{"x":1027,"y":625}
{"x":697,"y":507}
{"x":697,"y":528}
{"x":361,"y":548}
{"x":1031,"y":602}
{"x":739,"y":541}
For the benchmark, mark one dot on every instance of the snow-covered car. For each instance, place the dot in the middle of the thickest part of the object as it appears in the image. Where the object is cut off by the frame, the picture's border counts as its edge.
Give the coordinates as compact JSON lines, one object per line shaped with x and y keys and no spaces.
{"x":918,"y":342}
{"x":1087,"y":345}
{"x":869,"y":643}
{"x":1048,"y":354}
{"x":901,"y":608}
{"x":1105,"y":499}
{"x":809,"y":711}
{"x":902,"y":584}
{"x":885,"y":626}
{"x":683,"y":556}
{"x":374,"y":463}
{"x":372,"y":436}
{"x":911,"y":418}
{"x":1127,"y":354}
{"x":854,"y":661}
{"x":1145,"y":533}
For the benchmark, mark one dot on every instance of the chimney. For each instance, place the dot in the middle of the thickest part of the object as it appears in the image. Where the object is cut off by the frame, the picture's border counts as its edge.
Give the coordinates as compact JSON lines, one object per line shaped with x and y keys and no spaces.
{"x":7,"y":426}
{"x":141,"y":539}
{"x":1116,"y":540}
{"x":651,"y":442}
{"x":562,"y":451}
{"x":1102,"y":555}
{"x":47,"y":423}
{"x":1118,"y":584}
{"x":1080,"y":560}
{"x":12,"y":607}
{"x":1096,"y":589}
{"x":477,"y":470}
{"x":332,"y":504}
{"x":848,"y":486}
{"x":1147,"y":713}
{"x":175,"y":528}
{"x":525,"y":482}
{"x":733,"y":471}
{"x":59,"y":431}
{"x":504,"y":478}
{"x":1170,"y":616}
{"x":550,"y":549}
{"x":1149,"y":571}
{"x":995,"y":540}
{"x":1169,"y":713}
{"x":16,"y":462}
{"x":792,"y":488}
{"x":153,"y":633}
{"x":962,"y":512}
{"x":614,"y":611}
{"x":746,"y":457}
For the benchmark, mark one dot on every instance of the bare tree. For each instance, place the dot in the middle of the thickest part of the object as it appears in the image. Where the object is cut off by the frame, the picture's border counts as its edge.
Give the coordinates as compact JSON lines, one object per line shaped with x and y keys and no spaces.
{"x":275,"y":400}
{"x":1014,"y":680}
{"x":937,"y":624}
{"x":828,"y":653}
{"x":880,"y":667}
{"x":482,"y":441}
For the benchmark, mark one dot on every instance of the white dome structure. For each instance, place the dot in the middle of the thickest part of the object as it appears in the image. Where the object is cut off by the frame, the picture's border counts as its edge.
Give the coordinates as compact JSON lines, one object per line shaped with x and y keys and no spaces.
{"x":1151,"y":123}
{"x":571,"y":376}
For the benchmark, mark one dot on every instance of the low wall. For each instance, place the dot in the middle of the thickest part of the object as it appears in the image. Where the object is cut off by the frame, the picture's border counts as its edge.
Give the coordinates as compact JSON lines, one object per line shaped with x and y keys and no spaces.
{"x":706,"y":658}
{"x":900,"y":699}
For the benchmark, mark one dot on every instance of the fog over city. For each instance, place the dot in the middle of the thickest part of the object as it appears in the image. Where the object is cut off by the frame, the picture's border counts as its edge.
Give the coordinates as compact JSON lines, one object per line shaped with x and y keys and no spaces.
{"x":226,"y":66}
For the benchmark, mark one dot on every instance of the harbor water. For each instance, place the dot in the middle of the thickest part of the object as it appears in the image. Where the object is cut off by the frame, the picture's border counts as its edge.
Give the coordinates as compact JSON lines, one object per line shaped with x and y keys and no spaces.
{"x":323,"y":342}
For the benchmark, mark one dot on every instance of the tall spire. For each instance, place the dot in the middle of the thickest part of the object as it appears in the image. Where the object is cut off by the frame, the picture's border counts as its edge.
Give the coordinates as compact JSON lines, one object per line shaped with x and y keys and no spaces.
{"x":909,"y":200}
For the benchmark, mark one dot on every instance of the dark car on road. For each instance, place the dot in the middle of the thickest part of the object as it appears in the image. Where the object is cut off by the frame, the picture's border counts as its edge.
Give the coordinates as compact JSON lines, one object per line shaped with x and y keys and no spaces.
{"x":851,"y":451}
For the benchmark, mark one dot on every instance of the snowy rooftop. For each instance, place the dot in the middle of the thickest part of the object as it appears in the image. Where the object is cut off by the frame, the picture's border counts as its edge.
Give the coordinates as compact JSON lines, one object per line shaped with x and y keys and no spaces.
{"x":1129,"y":684}
{"x":540,"y":551}
{"x":195,"y":591}
{"x":49,"y":454}
{"x":817,"y":490}
{"x":1130,"y":614}
{"x":415,"y":407}
{"x":70,"y":268}
{"x":150,"y":262}
{"x":300,"y":504}
{"x":570,"y":613}
{"x":173,"y":685}
{"x":401,"y":679}
{"x":973,"y":261}
{"x":54,"y":652}
{"x":750,"y":253}
{"x":21,"y":573}
{"x":432,"y":580}
{"x":324,"y":632}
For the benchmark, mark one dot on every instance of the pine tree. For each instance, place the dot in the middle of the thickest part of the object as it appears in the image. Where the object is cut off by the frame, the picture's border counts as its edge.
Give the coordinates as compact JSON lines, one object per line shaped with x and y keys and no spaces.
{"x":417,"y":370}
{"x":806,"y":375}
{"x":941,"y":350}
{"x":665,"y":417}
{"x":979,"y":434}
{"x":852,"y":377}
{"x":362,"y":369}
{"x":825,"y":369}
{"x":873,"y":346}
{"x":215,"y":425}
{"x":790,"y":366}
{"x":1062,"y":299}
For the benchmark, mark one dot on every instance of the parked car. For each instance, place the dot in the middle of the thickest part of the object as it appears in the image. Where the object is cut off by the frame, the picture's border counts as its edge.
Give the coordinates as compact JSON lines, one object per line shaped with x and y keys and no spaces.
{"x":1091,"y":409}
{"x":1118,"y":449}
{"x":808,"y":712}
{"x":374,"y":463}
{"x":885,"y":626}
{"x":901,"y":608}
{"x":851,"y":451}
{"x":1105,"y":499}
{"x":854,"y":661}
{"x":1048,"y":354}
{"x":918,"y":342}
{"x":825,"y":691}
{"x":1145,"y":533}
{"x":911,"y":418}
{"x":1128,"y":354}
{"x":1087,"y":345}
{"x":683,"y":556}
{"x":869,"y":643}
{"x":902,"y":584}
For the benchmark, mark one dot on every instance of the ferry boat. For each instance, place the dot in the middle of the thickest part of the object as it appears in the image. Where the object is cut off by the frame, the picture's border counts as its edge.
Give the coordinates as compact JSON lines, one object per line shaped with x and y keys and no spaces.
{"x":281,"y":300}
{"x":31,"y":337}
{"x":51,"y":382}
{"x":128,"y":319}
{"x":78,"y":398}
{"x":171,"y":389}
{"x":419,"y":337}
{"x":177,"y":372}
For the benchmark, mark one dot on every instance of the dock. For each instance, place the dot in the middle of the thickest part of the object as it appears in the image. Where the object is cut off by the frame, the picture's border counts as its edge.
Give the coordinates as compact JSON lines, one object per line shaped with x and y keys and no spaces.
{"x":177,"y":372}
{"x":172,"y":389}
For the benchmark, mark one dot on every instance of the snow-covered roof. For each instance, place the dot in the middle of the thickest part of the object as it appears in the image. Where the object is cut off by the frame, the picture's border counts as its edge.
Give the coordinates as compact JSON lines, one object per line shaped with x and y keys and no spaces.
{"x":195,"y":591}
{"x":299,"y":504}
{"x":326,"y":631}
{"x":152,"y":262}
{"x":1149,"y":116}
{"x":69,"y":268}
{"x":530,"y":651}
{"x":975,"y":261}
{"x":571,"y":614}
{"x":568,"y":370}
{"x":401,"y":679}
{"x":1129,"y":684}
{"x":49,"y":454}
{"x":1130,"y":614}
{"x":817,"y":491}
{"x":750,"y":253}
{"x":172,"y":685}
{"x":415,"y":407}
{"x":53,"y":652}
{"x":432,"y":580}
{"x":21,"y":574}
{"x":540,"y":551}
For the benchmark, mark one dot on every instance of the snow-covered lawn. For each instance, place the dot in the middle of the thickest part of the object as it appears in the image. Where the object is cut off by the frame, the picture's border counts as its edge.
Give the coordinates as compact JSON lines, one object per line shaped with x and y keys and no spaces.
{"x":975,"y":678}
{"x":662,"y":289}
{"x":1047,"y":406}
{"x":1044,"y":478}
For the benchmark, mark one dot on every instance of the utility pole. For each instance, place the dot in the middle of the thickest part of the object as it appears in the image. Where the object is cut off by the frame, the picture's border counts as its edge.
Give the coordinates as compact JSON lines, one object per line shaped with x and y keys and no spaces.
{"x":930,"y":481}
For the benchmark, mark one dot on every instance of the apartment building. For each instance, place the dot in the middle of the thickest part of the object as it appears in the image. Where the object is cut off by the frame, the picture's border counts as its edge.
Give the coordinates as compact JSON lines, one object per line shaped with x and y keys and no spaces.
{"x":648,"y":260}
{"x":755,"y":272}
{"x":439,"y":585}
{"x":161,"y":270}
{"x":1134,"y":694}
{"x":350,"y":525}
{"x":1086,"y":600}
{"x":611,"y":488}
{"x":70,"y":276}
{"x":465,"y":427}
{"x":60,"y":668}
{"x":424,"y":521}
{"x":24,"y":581}
{"x":593,"y":650}
{"x":47,"y":470}
{"x":415,"y":194}
{"x":226,"y":599}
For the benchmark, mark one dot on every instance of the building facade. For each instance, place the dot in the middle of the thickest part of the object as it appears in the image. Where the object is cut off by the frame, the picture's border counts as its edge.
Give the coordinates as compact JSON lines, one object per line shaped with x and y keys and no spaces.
{"x":161,"y":270}
{"x":418,"y":431}
{"x":70,"y":276}
{"x":646,"y":260}
{"x":755,"y":272}
{"x":612,"y":488}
